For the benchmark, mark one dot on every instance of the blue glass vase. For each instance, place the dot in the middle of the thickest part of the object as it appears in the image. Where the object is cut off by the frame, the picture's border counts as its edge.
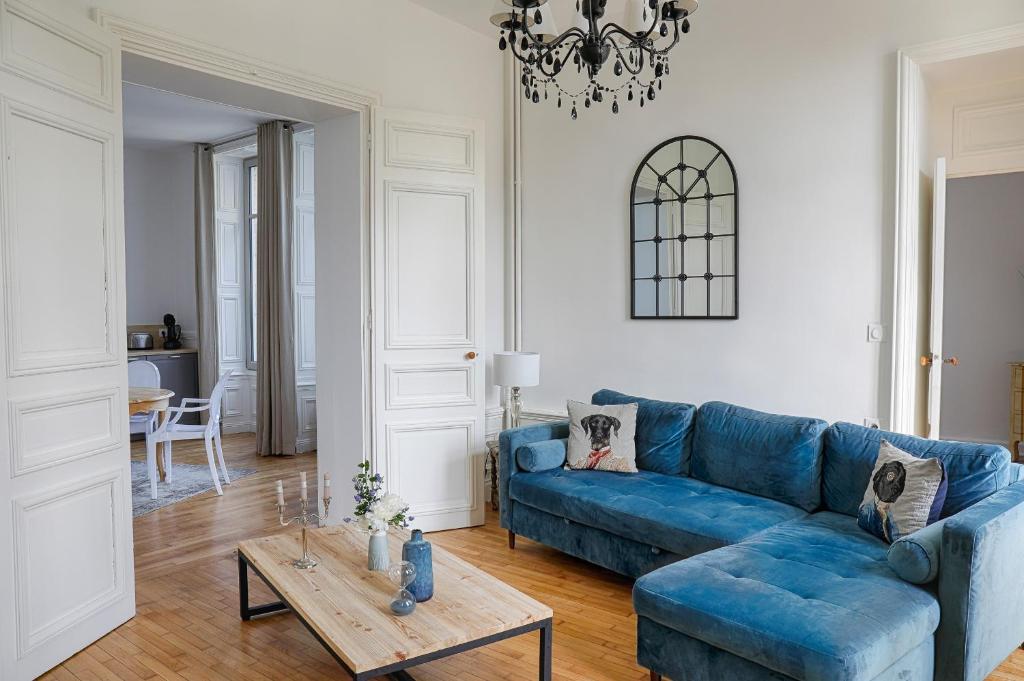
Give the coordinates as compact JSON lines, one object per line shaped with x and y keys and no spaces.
{"x":418,"y":552}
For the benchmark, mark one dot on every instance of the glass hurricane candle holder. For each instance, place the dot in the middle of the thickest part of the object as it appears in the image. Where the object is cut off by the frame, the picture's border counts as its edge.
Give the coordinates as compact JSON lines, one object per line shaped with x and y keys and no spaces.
{"x":402,"y":574}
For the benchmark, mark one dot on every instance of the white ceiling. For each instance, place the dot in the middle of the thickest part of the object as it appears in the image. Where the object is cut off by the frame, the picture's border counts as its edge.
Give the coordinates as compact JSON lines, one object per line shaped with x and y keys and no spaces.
{"x":156,"y":119}
{"x":968,"y":72}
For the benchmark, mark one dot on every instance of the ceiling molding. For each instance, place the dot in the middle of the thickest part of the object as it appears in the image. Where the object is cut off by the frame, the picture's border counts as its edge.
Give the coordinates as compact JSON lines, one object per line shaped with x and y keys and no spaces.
{"x":155,"y":43}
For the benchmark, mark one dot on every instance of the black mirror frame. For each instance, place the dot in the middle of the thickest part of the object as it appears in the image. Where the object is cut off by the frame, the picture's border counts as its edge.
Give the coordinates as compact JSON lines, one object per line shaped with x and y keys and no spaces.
{"x":736,"y":233}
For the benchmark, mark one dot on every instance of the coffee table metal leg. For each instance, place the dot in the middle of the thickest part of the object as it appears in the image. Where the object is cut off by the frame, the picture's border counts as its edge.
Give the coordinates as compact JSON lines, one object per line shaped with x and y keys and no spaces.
{"x":244,"y":610}
{"x":545,"y":652}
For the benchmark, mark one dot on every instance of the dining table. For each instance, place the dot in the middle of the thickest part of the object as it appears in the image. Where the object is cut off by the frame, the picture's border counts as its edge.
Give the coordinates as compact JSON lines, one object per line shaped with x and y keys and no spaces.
{"x":148,"y":400}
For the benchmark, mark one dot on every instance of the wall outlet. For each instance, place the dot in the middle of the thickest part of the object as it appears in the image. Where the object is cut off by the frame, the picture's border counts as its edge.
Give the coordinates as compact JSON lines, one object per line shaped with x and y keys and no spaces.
{"x":876,"y":333}
{"x":872,"y":422}
{"x":163,"y":333}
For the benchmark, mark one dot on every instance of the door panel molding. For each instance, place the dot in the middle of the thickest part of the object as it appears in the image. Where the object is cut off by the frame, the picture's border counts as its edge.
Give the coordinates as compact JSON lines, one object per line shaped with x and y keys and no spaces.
{"x":396,"y":339}
{"x":395,"y":433}
{"x":405,"y":397}
{"x":22,"y":360}
{"x":106,"y":487}
{"x":33,"y":445}
{"x":448,"y":149}
{"x":23,"y":28}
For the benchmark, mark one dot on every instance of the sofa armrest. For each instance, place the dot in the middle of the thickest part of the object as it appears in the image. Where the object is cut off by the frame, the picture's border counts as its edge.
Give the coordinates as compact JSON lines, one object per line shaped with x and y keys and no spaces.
{"x":509,"y":443}
{"x":981,"y":587}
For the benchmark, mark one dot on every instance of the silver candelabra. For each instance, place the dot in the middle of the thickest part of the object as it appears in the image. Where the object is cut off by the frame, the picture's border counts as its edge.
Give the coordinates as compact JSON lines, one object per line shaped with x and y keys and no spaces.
{"x":305,"y":517}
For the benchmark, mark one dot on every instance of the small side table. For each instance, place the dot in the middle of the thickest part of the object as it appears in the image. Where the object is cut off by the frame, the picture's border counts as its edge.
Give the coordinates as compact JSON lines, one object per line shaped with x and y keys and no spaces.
{"x":492,"y":470}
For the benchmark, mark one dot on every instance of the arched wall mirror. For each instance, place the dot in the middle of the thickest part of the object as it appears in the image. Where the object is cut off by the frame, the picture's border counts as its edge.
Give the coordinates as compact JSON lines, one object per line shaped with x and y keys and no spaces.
{"x":684,"y":233}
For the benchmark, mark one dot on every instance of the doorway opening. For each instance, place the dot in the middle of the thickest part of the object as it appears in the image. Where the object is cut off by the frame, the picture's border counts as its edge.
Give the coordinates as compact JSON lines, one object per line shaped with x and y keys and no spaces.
{"x":959,"y":246}
{"x":172,"y":117}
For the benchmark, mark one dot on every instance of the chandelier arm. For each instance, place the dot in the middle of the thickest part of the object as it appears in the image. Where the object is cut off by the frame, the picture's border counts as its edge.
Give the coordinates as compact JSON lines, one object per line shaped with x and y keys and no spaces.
{"x":612,"y":27}
{"x":625,"y":62}
{"x":539,"y":62}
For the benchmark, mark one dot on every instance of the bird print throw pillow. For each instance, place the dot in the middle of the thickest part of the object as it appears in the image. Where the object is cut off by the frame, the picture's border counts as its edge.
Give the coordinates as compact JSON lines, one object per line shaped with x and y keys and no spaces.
{"x":905,"y":494}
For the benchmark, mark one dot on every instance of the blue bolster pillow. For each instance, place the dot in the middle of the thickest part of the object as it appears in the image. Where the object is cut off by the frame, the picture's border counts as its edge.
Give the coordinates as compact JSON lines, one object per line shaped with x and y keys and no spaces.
{"x":542,"y":456}
{"x":915,"y":558}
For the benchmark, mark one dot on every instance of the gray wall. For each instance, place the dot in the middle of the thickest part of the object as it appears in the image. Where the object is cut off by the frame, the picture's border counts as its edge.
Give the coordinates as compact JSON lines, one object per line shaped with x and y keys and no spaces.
{"x":983,"y":310}
{"x":159,"y":226}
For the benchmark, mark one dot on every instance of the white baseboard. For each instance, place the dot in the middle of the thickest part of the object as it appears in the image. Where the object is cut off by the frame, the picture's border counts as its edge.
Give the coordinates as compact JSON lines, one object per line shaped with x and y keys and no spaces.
{"x":229,"y":427}
{"x":305,"y":444}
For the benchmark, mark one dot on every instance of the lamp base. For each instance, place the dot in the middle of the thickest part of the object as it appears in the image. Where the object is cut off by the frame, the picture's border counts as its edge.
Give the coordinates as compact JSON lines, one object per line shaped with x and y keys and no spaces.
{"x":513,"y":410}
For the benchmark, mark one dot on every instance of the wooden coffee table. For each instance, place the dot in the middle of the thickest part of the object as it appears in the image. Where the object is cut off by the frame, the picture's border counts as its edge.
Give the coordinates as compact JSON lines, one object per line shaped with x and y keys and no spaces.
{"x":346,"y":607}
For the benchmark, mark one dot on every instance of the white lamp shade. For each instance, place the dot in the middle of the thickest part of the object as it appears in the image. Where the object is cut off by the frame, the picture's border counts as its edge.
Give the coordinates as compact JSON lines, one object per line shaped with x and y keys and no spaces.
{"x":638,"y":16}
{"x":519,"y":369}
{"x":546,"y":29}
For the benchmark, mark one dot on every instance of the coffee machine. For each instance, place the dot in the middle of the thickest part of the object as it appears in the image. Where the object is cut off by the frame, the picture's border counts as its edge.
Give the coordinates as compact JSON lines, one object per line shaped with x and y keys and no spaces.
{"x":172,"y":333}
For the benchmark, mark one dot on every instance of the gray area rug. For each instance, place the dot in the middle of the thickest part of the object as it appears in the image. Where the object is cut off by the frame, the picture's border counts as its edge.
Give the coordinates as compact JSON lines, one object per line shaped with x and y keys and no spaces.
{"x":189,"y":480}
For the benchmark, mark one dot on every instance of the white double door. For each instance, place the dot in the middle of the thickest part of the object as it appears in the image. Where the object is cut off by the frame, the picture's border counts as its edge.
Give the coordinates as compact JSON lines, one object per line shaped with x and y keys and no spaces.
{"x":66,"y":573}
{"x":429,"y":359}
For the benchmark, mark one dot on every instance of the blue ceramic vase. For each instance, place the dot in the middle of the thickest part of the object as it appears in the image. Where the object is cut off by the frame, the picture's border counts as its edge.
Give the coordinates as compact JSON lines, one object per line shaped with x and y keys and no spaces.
{"x":418,"y":552}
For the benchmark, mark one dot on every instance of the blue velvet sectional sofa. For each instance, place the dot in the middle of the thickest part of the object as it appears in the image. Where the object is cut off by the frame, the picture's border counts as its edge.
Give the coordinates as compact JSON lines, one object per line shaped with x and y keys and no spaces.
{"x":741,"y":527}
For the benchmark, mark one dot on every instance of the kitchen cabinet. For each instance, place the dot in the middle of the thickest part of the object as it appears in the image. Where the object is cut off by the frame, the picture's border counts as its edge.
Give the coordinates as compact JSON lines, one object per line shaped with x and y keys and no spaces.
{"x":179,"y":373}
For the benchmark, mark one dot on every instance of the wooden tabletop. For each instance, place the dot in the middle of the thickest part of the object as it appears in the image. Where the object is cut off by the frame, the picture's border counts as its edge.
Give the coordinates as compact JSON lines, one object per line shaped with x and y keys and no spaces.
{"x":143,"y":395}
{"x":348,"y":606}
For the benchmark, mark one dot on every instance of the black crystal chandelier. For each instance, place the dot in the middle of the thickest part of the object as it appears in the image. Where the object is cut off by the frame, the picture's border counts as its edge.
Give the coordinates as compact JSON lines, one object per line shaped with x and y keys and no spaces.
{"x":639,"y":51}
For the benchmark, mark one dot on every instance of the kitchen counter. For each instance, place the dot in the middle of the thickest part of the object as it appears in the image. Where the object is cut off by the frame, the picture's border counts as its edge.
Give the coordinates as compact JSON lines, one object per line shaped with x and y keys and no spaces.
{"x":162,"y":352}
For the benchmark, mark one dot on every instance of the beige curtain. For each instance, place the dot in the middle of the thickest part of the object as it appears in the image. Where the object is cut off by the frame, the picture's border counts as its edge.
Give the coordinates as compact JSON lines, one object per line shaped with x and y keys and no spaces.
{"x":276,"y":420}
{"x":206,"y":270}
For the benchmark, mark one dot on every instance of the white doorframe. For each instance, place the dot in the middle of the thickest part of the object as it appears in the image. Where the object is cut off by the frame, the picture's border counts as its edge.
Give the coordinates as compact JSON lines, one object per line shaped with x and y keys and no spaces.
{"x":910,"y":105}
{"x":160,"y":45}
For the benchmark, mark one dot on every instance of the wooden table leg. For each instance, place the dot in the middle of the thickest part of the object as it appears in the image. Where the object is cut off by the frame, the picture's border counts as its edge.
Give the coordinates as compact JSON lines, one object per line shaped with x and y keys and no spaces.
{"x":160,"y":449}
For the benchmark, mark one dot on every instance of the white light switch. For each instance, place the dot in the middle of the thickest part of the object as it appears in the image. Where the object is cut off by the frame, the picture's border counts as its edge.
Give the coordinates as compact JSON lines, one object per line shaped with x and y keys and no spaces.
{"x":876,"y":333}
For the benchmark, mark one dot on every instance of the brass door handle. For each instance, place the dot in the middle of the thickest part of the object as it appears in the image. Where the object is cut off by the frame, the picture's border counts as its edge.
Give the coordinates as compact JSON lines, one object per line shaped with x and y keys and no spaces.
{"x":927,"y":361}
{"x":471,"y":355}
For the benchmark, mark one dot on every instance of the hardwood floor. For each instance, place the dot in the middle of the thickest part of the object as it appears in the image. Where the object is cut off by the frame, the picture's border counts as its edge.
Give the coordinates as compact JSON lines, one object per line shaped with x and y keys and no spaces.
{"x":187,"y":625}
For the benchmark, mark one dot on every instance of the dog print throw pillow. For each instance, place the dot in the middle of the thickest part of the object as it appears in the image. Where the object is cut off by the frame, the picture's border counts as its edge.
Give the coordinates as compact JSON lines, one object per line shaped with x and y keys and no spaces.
{"x":905,"y":494}
{"x":602,"y":438}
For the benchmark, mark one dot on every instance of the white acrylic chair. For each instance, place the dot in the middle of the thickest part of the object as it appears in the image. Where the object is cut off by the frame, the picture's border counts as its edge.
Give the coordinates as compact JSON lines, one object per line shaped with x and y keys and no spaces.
{"x":172,"y":429}
{"x":143,"y":374}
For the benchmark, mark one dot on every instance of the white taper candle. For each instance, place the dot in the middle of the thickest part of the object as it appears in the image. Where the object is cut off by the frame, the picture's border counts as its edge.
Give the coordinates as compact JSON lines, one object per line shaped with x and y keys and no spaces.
{"x":280,"y":493}
{"x":303,"y":492}
{"x":327,"y":485}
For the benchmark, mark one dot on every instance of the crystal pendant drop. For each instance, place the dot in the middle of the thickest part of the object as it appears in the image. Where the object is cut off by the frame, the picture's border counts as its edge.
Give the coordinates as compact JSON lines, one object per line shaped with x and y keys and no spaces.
{"x":650,"y":92}
{"x":630,"y":95}
{"x":618,"y":64}
{"x":524,"y":44}
{"x":549,"y":60}
{"x":659,"y":84}
{"x":664,"y":29}
{"x":502,"y":44}
{"x":559,"y":101}
{"x":586,"y":102}
{"x":686,"y":26}
{"x":642,"y":100}
{"x":536,"y":97}
{"x":538,"y":17}
{"x":574,"y":114}
{"x":558,"y":65}
{"x":659,"y":69}
{"x":615,"y":107}
{"x":525,"y":80}
{"x":512,"y":37}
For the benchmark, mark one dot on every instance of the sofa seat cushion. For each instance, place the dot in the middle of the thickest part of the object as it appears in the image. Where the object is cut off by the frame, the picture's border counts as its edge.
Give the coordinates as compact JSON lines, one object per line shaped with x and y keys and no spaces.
{"x":677,"y":514}
{"x":813,"y":599}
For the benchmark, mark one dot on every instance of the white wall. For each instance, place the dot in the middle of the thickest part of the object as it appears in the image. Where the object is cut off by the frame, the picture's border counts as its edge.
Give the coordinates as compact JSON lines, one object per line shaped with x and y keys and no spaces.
{"x":983,"y":301}
{"x":802,"y":97}
{"x":414,"y":58}
{"x":159,"y":222}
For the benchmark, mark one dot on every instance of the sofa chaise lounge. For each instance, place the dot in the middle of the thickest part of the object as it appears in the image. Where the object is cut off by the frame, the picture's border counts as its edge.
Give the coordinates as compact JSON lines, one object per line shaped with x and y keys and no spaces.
{"x":741,"y":528}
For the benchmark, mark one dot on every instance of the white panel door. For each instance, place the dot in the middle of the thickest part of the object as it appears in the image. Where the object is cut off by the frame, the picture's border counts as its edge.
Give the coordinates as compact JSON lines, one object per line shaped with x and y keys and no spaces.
{"x":66,"y":574}
{"x":428,"y":338}
{"x":934,"y":359}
